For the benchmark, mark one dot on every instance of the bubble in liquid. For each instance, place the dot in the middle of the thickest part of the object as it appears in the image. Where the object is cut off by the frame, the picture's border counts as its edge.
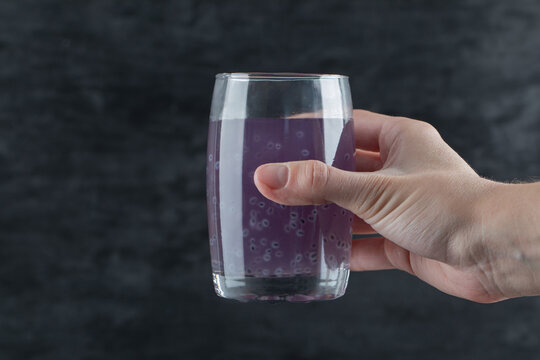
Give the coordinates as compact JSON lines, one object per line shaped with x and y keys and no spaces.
{"x":252,"y":247}
{"x":265,"y":223}
{"x":245,"y":232}
{"x":252,"y":240}
{"x":293,"y":214}
{"x":314,"y":212}
{"x":350,"y":219}
{"x":292,"y":263}
{"x":282,"y":206}
{"x":325,"y":206}
{"x":270,"y":145}
{"x":261,"y":204}
{"x":303,"y":221}
{"x":343,"y":212}
{"x":299,"y":134}
{"x":270,"y":211}
{"x":311,"y":218}
{"x":248,"y":270}
{"x":253,"y":213}
{"x":300,"y":233}
{"x":313,"y":245}
{"x":347,"y":156}
{"x":263,"y":241}
{"x":305,"y":152}
{"x":332,"y":237}
{"x":267,"y":257}
{"x":298,"y":258}
{"x":278,"y":146}
{"x":278,"y":271}
{"x":278,"y":253}
{"x":266,"y":272}
{"x":252,"y":221}
{"x":268,"y":251}
{"x":216,"y":165}
{"x":297,"y":271}
{"x":293,"y":224}
{"x":275,"y":244}
{"x":253,"y":200}
{"x":339,"y":244}
{"x":210,"y":157}
{"x":287,"y":228}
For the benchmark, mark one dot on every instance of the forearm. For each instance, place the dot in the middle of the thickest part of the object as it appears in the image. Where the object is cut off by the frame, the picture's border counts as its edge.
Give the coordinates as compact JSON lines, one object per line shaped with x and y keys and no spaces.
{"x":509,"y":233}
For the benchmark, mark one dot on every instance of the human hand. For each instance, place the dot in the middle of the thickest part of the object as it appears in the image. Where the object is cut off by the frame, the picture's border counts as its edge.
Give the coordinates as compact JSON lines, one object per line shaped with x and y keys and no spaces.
{"x":421,"y":197}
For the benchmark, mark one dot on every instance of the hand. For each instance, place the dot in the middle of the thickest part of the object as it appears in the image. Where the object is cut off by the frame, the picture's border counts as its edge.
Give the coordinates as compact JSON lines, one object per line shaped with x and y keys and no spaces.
{"x":421,"y":196}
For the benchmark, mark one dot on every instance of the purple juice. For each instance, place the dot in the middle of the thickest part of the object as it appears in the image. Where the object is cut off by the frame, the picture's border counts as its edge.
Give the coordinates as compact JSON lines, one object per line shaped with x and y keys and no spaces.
{"x":259,"y":247}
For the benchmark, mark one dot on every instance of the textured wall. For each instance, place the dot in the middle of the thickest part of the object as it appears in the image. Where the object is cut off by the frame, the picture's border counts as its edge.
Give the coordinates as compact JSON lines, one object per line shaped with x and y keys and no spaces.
{"x":103,"y":120}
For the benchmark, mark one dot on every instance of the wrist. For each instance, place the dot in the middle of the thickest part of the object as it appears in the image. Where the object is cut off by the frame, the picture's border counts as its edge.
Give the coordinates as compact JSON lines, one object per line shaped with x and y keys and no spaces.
{"x":506,"y":228}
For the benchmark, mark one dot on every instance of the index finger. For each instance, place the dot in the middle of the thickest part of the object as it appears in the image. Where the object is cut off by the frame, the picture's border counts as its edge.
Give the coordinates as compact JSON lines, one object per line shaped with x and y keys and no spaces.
{"x":367,"y":129}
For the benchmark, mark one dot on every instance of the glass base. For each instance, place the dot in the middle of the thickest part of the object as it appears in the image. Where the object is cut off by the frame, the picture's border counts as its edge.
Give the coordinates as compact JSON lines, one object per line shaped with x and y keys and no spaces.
{"x":300,"y":288}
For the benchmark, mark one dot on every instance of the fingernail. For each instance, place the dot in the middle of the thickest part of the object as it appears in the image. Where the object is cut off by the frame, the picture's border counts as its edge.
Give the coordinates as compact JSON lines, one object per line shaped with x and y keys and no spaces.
{"x":275,"y":176}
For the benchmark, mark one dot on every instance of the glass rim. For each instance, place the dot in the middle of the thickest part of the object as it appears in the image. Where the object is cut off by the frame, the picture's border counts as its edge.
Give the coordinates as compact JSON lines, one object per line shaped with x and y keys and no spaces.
{"x":283,"y":76}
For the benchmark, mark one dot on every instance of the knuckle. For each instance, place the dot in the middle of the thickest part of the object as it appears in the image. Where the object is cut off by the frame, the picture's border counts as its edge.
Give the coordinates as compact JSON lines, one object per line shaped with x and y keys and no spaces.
{"x":406,"y":124}
{"x":425,"y":129}
{"x":317,"y":174}
{"x":399,"y":257}
{"x":412,"y":129}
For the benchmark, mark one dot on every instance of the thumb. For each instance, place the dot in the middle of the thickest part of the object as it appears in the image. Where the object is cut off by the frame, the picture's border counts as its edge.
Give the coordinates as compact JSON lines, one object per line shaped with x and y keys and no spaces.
{"x":314,"y":182}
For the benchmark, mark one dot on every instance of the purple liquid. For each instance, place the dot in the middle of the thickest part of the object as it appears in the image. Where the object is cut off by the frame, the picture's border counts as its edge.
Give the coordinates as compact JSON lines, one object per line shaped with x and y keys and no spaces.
{"x":251,"y":236}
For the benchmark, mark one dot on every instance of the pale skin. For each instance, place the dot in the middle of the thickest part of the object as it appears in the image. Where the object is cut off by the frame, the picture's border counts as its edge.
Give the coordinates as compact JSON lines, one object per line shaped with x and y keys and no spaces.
{"x":438,"y":220}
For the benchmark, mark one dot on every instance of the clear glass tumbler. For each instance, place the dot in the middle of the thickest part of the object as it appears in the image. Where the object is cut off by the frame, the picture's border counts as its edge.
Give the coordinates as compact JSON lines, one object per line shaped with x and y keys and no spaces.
{"x":261,"y":250}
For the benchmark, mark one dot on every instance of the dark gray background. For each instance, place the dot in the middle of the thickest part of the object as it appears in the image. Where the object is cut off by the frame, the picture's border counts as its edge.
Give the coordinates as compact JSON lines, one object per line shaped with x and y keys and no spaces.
{"x":103,"y":120}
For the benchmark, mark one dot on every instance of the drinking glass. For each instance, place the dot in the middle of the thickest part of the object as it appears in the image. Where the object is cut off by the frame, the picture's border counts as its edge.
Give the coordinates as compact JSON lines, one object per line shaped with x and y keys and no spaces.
{"x":261,"y":250}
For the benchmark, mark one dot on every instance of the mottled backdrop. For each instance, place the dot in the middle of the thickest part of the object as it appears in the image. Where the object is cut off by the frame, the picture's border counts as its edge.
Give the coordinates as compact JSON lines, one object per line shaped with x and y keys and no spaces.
{"x":103,"y":120}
